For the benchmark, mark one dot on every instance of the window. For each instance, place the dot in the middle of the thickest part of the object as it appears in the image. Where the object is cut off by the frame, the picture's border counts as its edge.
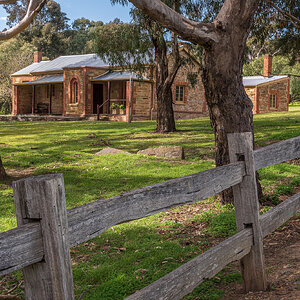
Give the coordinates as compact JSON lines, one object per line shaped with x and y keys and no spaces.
{"x":179,"y":93}
{"x":73,"y":91}
{"x":273,"y":101}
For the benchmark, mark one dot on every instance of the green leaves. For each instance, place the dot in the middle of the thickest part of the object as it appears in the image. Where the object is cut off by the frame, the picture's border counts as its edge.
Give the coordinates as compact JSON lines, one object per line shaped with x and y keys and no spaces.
{"x":123,"y":44}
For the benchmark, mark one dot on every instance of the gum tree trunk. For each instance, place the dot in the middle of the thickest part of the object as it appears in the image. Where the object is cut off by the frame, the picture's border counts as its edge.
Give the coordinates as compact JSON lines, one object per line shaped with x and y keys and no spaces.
{"x":230,"y":108}
{"x":164,"y":79}
{"x":165,"y":114}
{"x":3,"y":174}
{"x":224,"y":42}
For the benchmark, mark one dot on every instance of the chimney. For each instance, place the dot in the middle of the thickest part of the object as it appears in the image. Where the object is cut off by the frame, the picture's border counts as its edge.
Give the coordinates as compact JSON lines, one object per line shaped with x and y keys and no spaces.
{"x":37,"y":56}
{"x":267,"y":65}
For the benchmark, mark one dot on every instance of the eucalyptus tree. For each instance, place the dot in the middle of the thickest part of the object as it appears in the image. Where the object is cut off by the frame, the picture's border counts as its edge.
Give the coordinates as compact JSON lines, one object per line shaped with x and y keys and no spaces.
{"x":275,"y":29}
{"x":14,"y":56}
{"x":49,"y":32}
{"x":34,"y":6}
{"x":145,"y":42}
{"x":223,"y":38}
{"x":82,"y":33}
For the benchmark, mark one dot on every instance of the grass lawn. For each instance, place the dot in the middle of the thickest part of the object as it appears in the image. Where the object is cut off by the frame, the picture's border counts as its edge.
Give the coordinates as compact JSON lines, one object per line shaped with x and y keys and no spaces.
{"x":132,"y":255}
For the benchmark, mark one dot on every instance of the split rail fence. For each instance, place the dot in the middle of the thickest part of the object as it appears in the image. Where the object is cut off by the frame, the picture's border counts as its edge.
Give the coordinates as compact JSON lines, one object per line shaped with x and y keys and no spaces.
{"x":46,"y":231}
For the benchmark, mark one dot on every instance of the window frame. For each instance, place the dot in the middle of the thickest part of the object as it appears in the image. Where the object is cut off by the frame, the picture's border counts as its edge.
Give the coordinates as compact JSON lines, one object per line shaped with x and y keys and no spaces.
{"x":74,"y":90}
{"x":180,"y":93}
{"x":273,"y":99}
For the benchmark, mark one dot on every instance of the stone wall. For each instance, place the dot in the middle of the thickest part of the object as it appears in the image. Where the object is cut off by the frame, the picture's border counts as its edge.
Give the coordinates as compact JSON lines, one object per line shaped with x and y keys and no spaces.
{"x":79,"y":107}
{"x":57,"y":99}
{"x":17,"y":95}
{"x":260,"y":96}
{"x":251,"y":92}
{"x":142,"y":100}
{"x":281,"y":89}
{"x":194,"y":104}
{"x":24,"y":95}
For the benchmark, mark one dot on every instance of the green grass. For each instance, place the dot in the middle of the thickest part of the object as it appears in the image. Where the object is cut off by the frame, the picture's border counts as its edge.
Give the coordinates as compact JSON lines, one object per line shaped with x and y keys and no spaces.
{"x":294,"y":106}
{"x":132,"y":255}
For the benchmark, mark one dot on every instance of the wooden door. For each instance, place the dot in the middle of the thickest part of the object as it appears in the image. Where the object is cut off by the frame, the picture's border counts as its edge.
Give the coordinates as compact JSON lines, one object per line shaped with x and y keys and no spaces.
{"x":97,"y":97}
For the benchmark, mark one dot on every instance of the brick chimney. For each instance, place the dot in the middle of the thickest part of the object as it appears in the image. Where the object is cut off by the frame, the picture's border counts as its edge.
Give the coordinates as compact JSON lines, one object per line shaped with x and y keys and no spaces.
{"x":267,"y":65}
{"x":37,"y":56}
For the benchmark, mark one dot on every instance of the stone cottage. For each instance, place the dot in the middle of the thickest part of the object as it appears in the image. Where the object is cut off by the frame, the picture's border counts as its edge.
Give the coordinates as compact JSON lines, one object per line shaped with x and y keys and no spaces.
{"x":79,"y":85}
{"x":269,"y":93}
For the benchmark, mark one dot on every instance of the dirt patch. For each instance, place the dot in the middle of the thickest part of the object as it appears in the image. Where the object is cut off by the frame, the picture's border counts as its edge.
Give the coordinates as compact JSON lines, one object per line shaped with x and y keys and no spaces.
{"x":185,"y":213}
{"x":201,"y":153}
{"x":281,"y":249}
{"x":16,"y":174}
{"x":282,"y":260}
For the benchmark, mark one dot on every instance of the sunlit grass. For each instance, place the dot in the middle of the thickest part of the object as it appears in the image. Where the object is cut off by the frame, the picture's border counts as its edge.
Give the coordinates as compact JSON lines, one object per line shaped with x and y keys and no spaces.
{"x":130,"y":256}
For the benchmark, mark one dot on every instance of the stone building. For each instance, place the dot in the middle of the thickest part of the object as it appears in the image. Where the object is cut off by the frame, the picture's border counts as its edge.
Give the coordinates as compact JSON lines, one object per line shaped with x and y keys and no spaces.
{"x":78,"y":85}
{"x":269,"y":93}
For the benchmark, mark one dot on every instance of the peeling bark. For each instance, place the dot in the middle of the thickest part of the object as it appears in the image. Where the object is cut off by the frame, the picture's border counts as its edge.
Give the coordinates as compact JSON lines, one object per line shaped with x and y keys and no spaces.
{"x":3,"y":174}
{"x":164,"y":80}
{"x":224,"y":42}
{"x":230,"y":108}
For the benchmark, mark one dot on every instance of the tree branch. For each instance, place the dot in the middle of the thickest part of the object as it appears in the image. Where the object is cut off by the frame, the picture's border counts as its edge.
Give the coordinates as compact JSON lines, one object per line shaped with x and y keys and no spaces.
{"x":294,"y":20}
{"x":33,"y":8}
{"x":5,"y":2}
{"x":195,"y":32}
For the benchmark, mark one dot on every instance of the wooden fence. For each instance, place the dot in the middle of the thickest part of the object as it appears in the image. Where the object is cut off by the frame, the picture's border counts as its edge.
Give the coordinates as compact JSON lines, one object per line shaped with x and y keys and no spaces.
{"x":46,"y":231}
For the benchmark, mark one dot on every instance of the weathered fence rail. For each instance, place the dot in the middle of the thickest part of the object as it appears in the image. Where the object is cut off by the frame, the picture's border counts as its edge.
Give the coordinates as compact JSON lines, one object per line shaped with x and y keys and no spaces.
{"x":26,"y":246}
{"x":277,"y":153}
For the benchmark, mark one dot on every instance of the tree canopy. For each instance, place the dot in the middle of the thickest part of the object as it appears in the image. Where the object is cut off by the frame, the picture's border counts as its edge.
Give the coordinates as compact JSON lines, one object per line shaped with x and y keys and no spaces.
{"x":49,"y":32}
{"x":14,"y":55}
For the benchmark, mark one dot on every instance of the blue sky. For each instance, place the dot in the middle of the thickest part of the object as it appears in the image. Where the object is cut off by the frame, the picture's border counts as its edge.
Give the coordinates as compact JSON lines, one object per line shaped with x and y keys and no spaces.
{"x":97,"y":10}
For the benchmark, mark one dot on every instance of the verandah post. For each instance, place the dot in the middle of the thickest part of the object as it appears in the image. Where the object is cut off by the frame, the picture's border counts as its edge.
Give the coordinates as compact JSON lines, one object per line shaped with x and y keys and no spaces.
{"x":42,"y":199}
{"x":247,"y":211}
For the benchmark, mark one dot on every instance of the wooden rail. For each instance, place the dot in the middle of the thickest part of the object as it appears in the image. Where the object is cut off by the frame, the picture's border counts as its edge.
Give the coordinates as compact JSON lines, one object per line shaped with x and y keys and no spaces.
{"x":88,"y":221}
{"x":25,"y":246}
{"x":277,"y":153}
{"x":184,"y":279}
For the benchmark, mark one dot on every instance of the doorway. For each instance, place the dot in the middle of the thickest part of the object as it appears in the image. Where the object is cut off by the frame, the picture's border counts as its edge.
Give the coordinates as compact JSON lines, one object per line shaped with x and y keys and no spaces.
{"x":97,"y":97}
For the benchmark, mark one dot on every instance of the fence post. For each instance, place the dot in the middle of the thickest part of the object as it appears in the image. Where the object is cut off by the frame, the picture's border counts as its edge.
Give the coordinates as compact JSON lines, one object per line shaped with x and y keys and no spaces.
{"x":42,"y":199}
{"x":247,"y":211}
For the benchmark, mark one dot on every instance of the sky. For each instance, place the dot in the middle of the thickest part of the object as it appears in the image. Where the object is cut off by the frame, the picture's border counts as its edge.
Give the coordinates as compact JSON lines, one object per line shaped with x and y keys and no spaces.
{"x":97,"y":10}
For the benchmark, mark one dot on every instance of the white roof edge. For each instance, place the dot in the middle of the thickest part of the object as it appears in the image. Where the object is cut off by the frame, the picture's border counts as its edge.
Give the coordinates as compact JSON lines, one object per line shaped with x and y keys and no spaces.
{"x":258,"y":80}
{"x":30,"y":68}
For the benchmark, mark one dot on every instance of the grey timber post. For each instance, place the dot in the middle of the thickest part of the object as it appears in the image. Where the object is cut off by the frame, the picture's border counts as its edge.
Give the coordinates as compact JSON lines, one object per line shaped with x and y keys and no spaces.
{"x":42,"y":199}
{"x":247,"y":211}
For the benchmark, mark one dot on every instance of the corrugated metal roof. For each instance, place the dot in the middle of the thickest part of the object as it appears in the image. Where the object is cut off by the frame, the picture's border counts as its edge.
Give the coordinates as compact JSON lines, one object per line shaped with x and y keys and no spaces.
{"x":86,"y":60}
{"x":119,"y":75}
{"x":257,"y":80}
{"x":45,"y":80}
{"x":61,"y":62}
{"x":70,"y":61}
{"x":31,"y":68}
